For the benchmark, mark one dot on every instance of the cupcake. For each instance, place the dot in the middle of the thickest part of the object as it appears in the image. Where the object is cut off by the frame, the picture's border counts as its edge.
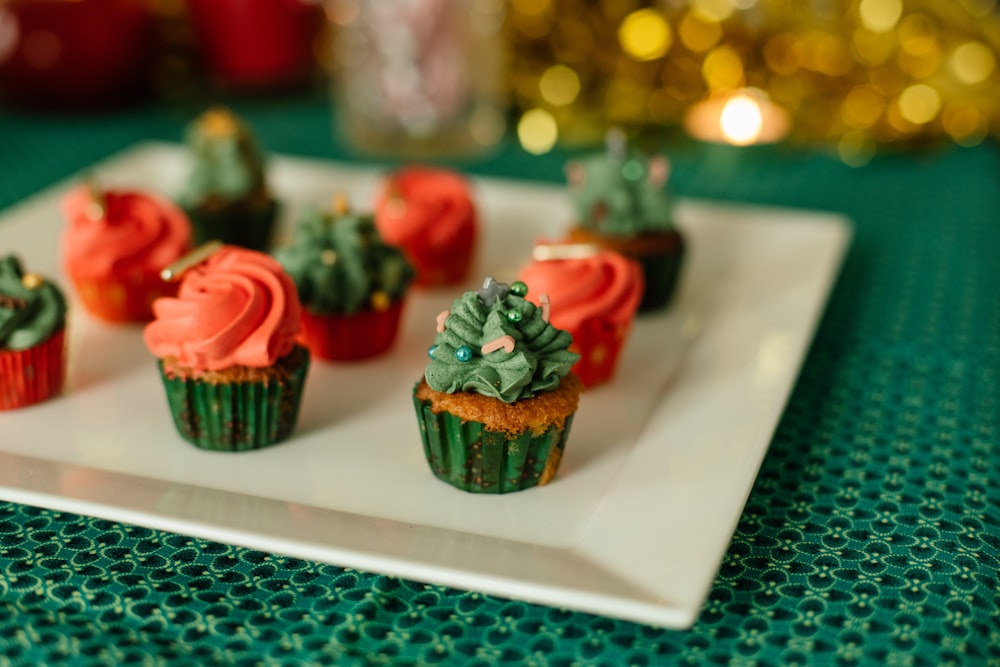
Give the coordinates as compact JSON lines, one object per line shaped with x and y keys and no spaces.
{"x":32,"y":328}
{"x":594,"y":295}
{"x":430,"y":214}
{"x":231,"y":368}
{"x":497,"y":399}
{"x":226,"y":194}
{"x":352,"y":285}
{"x":623,"y":205}
{"x":114,"y":246}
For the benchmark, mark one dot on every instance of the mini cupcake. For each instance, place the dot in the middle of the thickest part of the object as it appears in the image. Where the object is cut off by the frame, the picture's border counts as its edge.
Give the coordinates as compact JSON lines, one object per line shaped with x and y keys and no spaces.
{"x":32,"y":328}
{"x":497,"y":399}
{"x":430,"y":214}
{"x":623,"y":205}
{"x":227,"y":351}
{"x":226,"y":194}
{"x":352,"y":285}
{"x":114,"y":246}
{"x":594,"y":295}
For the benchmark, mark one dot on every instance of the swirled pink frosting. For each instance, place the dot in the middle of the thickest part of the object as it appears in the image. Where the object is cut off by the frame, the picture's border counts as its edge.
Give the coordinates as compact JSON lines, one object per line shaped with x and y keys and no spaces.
{"x":423,"y":206}
{"x":238,"y":308}
{"x":136,"y":232}
{"x":604,"y":285}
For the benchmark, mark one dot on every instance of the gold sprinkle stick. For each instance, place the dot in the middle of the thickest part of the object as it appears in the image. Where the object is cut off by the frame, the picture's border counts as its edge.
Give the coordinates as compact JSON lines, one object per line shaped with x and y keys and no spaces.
{"x":546,"y":251}
{"x":97,"y":208}
{"x":193,"y":258}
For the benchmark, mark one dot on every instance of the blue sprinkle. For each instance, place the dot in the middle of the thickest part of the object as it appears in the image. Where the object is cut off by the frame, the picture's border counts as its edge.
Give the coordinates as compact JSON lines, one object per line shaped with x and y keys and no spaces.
{"x":430,"y":351}
{"x":463,"y":353}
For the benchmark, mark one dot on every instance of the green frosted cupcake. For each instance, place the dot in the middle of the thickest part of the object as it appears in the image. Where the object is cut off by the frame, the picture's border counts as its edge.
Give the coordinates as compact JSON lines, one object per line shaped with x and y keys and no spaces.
{"x":226,"y":195}
{"x":352,"y":285}
{"x":497,"y":399}
{"x":231,"y":369}
{"x":623,"y":205}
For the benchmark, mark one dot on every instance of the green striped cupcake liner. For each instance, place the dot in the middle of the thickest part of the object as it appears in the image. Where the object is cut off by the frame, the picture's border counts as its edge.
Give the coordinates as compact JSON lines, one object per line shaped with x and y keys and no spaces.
{"x":470,"y":457}
{"x":236,"y":416}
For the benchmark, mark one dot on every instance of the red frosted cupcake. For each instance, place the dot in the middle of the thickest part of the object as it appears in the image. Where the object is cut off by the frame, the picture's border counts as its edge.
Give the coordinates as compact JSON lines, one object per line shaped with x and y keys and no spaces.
{"x":594,"y":294}
{"x":231,"y":368}
{"x":429,"y":213}
{"x":32,"y":328}
{"x":114,"y":247}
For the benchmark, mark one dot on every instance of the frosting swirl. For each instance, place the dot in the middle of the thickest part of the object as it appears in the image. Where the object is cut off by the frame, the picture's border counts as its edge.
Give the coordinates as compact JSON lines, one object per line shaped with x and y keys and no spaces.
{"x":621,"y":192}
{"x":341,"y":266}
{"x":31,"y":309}
{"x":228,"y":163}
{"x":495,"y":342}
{"x":605,"y":285}
{"x":127,"y":232}
{"x":238,"y":308}
{"x":424,"y":207}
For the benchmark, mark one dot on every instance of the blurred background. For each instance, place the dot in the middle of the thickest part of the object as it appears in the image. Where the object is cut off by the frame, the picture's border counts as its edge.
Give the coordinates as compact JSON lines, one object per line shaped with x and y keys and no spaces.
{"x":427,"y":77}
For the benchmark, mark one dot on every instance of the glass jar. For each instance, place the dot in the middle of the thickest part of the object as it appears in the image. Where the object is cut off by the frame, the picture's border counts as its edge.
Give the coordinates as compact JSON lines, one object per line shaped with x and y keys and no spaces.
{"x":418,"y":78}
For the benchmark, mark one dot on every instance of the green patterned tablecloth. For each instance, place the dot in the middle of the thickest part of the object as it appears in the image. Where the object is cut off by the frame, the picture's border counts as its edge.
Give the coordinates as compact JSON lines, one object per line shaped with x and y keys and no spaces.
{"x":871,"y":537}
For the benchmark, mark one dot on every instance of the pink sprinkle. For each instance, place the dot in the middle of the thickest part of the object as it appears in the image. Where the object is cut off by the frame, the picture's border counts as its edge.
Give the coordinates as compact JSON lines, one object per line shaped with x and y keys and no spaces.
{"x":546,"y":306}
{"x":505,"y":342}
{"x":442,"y":316}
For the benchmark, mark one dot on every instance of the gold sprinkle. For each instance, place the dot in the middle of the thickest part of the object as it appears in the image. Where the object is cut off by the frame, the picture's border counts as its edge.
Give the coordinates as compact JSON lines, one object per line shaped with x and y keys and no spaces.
{"x":341,"y":204}
{"x":193,"y":258}
{"x":32,"y":280}
{"x":328,"y":257}
{"x":381,"y":301}
{"x":218,"y":122}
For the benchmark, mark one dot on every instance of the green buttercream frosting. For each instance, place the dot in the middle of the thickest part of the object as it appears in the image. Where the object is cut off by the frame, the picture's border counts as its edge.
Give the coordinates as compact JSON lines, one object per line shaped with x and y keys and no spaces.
{"x":31,"y":309}
{"x":616,"y":193}
{"x":227,"y":162}
{"x":537,"y":363}
{"x":341,"y":265}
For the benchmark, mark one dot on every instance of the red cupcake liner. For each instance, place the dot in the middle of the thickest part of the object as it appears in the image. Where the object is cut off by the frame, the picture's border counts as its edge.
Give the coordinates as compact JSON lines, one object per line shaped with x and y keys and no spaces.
{"x":599,"y":344}
{"x":442,"y":265}
{"x":351,"y":337}
{"x":32,"y":375}
{"x":126,"y":299}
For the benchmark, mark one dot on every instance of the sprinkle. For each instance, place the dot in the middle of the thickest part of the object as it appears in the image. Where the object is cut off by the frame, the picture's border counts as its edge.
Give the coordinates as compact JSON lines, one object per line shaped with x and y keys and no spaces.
{"x":464,"y":353}
{"x":545,"y":252}
{"x":219,"y":122}
{"x":615,"y":141}
{"x":328,"y":257}
{"x":97,"y":206}
{"x":506,"y":342}
{"x":519,"y":288}
{"x":442,"y":316}
{"x":514,"y":315}
{"x":381,"y":301}
{"x":632,"y":170}
{"x":430,"y":351}
{"x":492,"y":291}
{"x":12,"y":302}
{"x":193,"y":258}
{"x":341,"y":204}
{"x":543,"y":300}
{"x":32,"y":280}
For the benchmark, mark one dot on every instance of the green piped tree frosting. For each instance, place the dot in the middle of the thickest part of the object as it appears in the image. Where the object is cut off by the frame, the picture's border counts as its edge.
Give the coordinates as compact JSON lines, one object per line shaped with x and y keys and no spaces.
{"x":621,"y":192}
{"x":31,"y":309}
{"x":341,"y":265}
{"x":228,"y":163}
{"x":535,"y":360}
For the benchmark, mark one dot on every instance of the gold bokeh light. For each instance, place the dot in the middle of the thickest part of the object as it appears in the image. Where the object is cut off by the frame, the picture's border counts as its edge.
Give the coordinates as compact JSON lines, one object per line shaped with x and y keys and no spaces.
{"x":645,"y":35}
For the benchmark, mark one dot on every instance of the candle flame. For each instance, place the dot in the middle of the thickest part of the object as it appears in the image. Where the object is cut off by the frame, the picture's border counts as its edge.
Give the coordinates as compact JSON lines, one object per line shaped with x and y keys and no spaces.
{"x":741,"y":120}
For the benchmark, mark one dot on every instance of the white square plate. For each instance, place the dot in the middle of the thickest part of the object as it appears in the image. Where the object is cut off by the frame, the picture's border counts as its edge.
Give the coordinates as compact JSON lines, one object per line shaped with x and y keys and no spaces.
{"x":657,"y":469}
